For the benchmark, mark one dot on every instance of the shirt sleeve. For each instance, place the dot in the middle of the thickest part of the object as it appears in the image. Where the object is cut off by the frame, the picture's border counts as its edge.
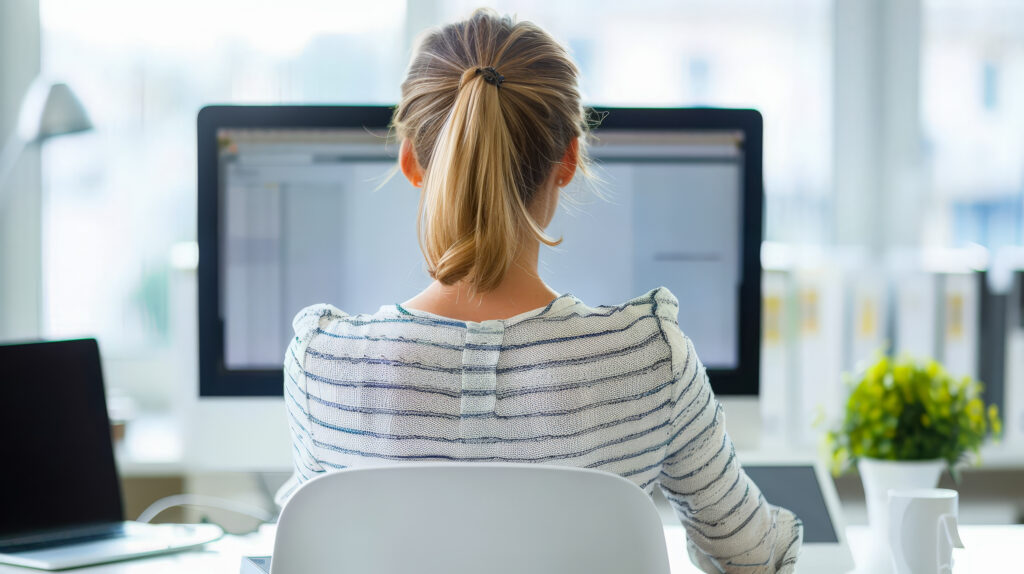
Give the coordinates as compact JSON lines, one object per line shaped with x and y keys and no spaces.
{"x":730,"y":527}
{"x":305,"y":463}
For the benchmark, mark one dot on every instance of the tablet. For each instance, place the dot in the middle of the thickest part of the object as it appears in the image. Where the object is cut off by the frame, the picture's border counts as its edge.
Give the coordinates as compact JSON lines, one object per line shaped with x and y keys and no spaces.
{"x":808,"y":490}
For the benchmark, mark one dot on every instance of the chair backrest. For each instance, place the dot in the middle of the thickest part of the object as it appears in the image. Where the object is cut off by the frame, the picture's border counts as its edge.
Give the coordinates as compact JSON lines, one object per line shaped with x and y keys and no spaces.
{"x":461,"y":518}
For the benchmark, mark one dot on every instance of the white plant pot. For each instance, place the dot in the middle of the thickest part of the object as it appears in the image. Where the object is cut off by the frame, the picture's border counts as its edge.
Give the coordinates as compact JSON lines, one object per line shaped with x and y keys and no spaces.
{"x":878,"y":477}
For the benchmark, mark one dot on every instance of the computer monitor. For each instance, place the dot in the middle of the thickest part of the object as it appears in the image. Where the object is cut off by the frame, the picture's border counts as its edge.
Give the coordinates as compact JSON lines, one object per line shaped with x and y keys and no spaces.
{"x":296,"y":207}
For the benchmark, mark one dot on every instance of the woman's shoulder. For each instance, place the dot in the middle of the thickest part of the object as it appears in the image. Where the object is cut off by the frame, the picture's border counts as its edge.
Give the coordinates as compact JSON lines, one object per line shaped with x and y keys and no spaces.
{"x":664,"y":306}
{"x":662,"y":301}
{"x":651,"y":318}
{"x":326,"y":318}
{"x":655,"y":312}
{"x":658,"y":301}
{"x":314,"y":317}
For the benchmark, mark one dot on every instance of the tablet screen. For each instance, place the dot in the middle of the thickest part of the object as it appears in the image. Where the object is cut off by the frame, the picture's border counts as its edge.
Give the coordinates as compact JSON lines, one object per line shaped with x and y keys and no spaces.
{"x":796,"y":488}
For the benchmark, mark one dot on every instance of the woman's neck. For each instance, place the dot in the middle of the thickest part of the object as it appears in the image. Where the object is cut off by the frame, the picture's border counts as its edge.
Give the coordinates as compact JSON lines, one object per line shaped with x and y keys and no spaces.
{"x":521,"y":290}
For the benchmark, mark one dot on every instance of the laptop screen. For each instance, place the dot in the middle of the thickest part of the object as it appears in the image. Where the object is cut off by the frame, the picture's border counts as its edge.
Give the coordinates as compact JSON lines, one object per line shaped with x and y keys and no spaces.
{"x":58,"y":461}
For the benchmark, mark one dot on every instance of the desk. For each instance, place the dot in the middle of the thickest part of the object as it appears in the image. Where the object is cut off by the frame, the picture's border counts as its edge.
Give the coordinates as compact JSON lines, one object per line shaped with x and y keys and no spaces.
{"x":989,"y":549}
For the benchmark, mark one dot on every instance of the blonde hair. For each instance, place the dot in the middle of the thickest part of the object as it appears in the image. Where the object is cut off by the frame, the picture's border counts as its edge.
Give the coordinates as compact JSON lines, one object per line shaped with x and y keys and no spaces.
{"x":490,"y":107}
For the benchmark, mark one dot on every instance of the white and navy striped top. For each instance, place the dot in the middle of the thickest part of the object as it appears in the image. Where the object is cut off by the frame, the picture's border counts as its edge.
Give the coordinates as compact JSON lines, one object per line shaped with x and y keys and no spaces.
{"x":614,"y":388}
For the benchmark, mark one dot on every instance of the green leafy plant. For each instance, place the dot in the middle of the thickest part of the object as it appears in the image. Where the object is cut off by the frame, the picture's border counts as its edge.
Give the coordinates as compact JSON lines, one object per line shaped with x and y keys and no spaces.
{"x":906,"y":409}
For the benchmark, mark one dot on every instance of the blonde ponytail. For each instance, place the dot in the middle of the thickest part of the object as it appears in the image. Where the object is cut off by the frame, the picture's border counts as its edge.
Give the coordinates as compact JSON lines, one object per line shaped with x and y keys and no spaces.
{"x":490,"y":107}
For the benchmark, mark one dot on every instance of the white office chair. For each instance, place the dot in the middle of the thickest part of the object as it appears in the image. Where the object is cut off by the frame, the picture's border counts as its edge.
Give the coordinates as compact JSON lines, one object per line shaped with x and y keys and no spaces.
{"x":470,"y":518}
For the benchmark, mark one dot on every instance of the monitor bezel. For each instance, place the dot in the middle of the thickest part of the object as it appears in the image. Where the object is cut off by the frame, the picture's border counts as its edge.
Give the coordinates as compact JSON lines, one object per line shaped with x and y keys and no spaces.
{"x":215,"y":380}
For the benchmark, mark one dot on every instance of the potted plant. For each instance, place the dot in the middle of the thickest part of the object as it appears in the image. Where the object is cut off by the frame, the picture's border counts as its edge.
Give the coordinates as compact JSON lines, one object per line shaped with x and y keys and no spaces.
{"x":905,"y":421}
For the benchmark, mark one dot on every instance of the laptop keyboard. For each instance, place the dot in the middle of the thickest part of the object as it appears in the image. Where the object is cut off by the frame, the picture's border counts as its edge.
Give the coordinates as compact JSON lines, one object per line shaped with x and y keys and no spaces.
{"x":62,"y":537}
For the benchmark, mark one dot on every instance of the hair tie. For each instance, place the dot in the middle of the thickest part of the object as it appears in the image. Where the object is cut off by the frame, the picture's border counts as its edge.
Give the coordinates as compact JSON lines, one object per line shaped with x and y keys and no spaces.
{"x":491,"y":76}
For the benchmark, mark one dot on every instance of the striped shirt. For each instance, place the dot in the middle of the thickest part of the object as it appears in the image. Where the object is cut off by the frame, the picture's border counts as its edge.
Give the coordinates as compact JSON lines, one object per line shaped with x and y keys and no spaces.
{"x":618,"y":389}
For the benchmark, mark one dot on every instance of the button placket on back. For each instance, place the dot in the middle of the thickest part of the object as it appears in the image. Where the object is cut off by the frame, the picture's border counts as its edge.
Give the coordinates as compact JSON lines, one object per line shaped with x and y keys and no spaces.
{"x":479,"y":373}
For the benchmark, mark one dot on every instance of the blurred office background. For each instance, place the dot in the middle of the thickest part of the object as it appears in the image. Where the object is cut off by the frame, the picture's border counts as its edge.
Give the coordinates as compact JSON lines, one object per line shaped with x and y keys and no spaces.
{"x":894,"y":175}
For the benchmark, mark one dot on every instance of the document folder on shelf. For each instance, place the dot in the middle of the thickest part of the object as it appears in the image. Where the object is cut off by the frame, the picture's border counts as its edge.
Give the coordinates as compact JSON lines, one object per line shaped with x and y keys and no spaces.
{"x":819,"y":351}
{"x":867,"y":320}
{"x":960,"y":328}
{"x":916,"y":315}
{"x":775,"y":348}
{"x":1014,"y":382}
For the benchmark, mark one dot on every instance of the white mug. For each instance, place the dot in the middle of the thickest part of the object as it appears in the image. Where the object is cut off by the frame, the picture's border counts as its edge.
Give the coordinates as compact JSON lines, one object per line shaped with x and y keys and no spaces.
{"x":922,"y":530}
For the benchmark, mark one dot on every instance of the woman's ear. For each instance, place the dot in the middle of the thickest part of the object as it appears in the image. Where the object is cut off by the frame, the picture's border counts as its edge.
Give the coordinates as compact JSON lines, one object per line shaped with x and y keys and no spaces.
{"x":567,"y":167}
{"x":410,"y":166}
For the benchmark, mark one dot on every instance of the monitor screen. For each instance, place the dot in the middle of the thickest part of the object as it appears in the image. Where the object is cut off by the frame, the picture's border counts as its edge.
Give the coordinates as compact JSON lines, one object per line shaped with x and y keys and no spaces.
{"x":312,"y":216}
{"x":301,"y":205}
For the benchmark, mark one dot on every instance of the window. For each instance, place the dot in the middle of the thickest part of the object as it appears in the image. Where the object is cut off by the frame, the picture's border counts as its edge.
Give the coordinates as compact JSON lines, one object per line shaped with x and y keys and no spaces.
{"x":972,"y":96}
{"x":117,"y":200}
{"x":775,"y":56}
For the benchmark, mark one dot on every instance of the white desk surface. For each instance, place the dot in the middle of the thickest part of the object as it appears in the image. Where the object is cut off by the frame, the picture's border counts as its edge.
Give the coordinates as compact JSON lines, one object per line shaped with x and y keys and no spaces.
{"x":989,"y":549}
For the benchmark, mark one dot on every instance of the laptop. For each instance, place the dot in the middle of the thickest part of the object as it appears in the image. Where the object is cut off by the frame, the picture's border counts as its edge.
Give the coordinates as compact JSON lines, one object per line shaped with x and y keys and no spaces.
{"x":60,"y":497}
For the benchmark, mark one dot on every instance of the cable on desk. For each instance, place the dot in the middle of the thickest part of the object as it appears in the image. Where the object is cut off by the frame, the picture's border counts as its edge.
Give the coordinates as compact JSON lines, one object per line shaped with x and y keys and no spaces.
{"x":167,"y":502}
